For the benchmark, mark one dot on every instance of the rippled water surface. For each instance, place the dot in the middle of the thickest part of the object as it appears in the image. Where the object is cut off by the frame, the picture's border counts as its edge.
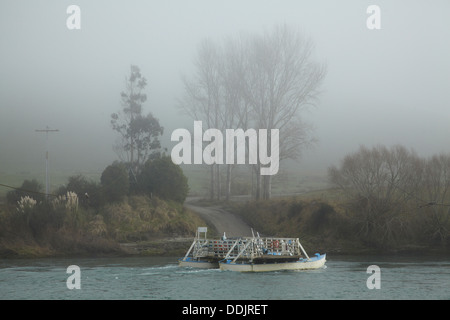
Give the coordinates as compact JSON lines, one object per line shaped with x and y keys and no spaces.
{"x":161,"y":278}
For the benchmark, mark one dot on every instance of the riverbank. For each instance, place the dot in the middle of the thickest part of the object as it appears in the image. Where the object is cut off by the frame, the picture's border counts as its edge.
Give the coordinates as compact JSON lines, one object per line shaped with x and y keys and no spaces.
{"x":177,"y":248}
{"x":150,"y":227}
{"x":162,"y":247}
{"x":137,"y":225}
{"x":328,"y":224}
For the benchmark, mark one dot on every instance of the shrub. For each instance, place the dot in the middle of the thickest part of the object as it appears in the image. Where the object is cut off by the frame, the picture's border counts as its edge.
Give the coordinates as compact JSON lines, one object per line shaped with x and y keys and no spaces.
{"x":163,"y":178}
{"x":115,"y":182}
{"x":29,"y":188}
{"x":89,"y":193}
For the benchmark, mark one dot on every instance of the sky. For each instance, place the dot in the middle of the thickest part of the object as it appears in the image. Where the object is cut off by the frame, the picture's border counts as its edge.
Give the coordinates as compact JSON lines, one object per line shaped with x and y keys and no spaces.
{"x":388,"y":86}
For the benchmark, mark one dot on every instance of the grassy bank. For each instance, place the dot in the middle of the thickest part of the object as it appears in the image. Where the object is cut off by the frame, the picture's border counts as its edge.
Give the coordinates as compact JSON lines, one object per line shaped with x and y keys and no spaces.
{"x":138,"y":225}
{"x":135,"y":225}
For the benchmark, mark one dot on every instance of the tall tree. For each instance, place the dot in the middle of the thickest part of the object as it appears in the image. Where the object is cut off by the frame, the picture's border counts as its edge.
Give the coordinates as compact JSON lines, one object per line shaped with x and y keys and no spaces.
{"x":236,"y":111}
{"x":202,"y":99}
{"x":283,"y":80}
{"x":256,"y":81}
{"x":139,"y":134}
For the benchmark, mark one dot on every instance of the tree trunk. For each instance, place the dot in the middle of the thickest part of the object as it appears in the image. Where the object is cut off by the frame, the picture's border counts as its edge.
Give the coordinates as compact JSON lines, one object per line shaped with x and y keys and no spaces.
{"x":228,"y":191}
{"x":267,"y":187}
{"x":212,"y":183}
{"x":258,"y":183}
{"x":218,"y":182}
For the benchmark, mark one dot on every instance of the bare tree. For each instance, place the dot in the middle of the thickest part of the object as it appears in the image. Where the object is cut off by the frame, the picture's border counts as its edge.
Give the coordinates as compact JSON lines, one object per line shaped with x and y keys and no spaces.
{"x":202,"y":97}
{"x":282,"y":81}
{"x":255,"y":81}
{"x":436,"y":180}
{"x":236,"y":111}
{"x":380,"y":175}
{"x":378,"y":183}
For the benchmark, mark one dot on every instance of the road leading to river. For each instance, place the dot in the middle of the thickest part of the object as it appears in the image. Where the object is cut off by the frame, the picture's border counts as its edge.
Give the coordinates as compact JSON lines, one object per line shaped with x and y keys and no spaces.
{"x":224,"y":221}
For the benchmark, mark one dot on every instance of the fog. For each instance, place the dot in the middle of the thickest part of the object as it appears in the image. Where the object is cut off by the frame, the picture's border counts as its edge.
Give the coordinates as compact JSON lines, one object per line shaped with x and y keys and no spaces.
{"x":387,"y":86}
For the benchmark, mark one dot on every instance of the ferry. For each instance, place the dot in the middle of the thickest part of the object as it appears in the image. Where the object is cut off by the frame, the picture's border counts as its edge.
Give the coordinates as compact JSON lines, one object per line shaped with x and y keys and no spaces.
{"x":205,"y":253}
{"x":259,"y":254}
{"x":249,"y":254}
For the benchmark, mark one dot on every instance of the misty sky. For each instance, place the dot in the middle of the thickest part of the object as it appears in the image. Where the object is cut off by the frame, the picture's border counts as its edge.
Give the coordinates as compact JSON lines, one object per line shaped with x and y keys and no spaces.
{"x":388,"y":86}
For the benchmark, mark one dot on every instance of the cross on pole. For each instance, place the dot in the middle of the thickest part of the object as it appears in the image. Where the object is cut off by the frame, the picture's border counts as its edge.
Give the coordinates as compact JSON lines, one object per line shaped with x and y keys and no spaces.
{"x":47,"y":130}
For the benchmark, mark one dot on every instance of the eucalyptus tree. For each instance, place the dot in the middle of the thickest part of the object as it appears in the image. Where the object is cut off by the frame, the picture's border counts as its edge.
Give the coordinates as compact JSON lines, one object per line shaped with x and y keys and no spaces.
{"x":139,"y":133}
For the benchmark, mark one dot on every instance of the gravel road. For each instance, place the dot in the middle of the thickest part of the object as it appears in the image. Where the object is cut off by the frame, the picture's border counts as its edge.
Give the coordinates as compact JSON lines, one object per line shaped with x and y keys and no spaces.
{"x":224,"y":221}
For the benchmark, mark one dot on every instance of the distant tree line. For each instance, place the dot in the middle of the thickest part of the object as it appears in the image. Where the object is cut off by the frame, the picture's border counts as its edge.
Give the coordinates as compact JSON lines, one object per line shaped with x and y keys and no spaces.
{"x":394,"y":194}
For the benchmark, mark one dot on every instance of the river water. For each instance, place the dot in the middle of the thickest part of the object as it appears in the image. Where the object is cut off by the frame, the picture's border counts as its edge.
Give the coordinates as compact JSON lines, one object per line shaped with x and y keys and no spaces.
{"x":160,"y":278}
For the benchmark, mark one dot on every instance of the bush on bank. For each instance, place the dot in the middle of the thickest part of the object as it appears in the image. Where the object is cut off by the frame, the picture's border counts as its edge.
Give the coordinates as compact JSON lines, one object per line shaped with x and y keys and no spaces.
{"x":85,"y":217}
{"x":336,"y":227}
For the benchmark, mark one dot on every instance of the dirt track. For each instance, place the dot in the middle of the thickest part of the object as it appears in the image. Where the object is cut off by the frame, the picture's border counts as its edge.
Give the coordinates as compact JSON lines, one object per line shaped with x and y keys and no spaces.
{"x":224,"y":221}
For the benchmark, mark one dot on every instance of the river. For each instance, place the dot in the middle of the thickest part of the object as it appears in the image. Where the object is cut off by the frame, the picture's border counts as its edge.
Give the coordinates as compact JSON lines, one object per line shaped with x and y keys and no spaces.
{"x":160,"y":278}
